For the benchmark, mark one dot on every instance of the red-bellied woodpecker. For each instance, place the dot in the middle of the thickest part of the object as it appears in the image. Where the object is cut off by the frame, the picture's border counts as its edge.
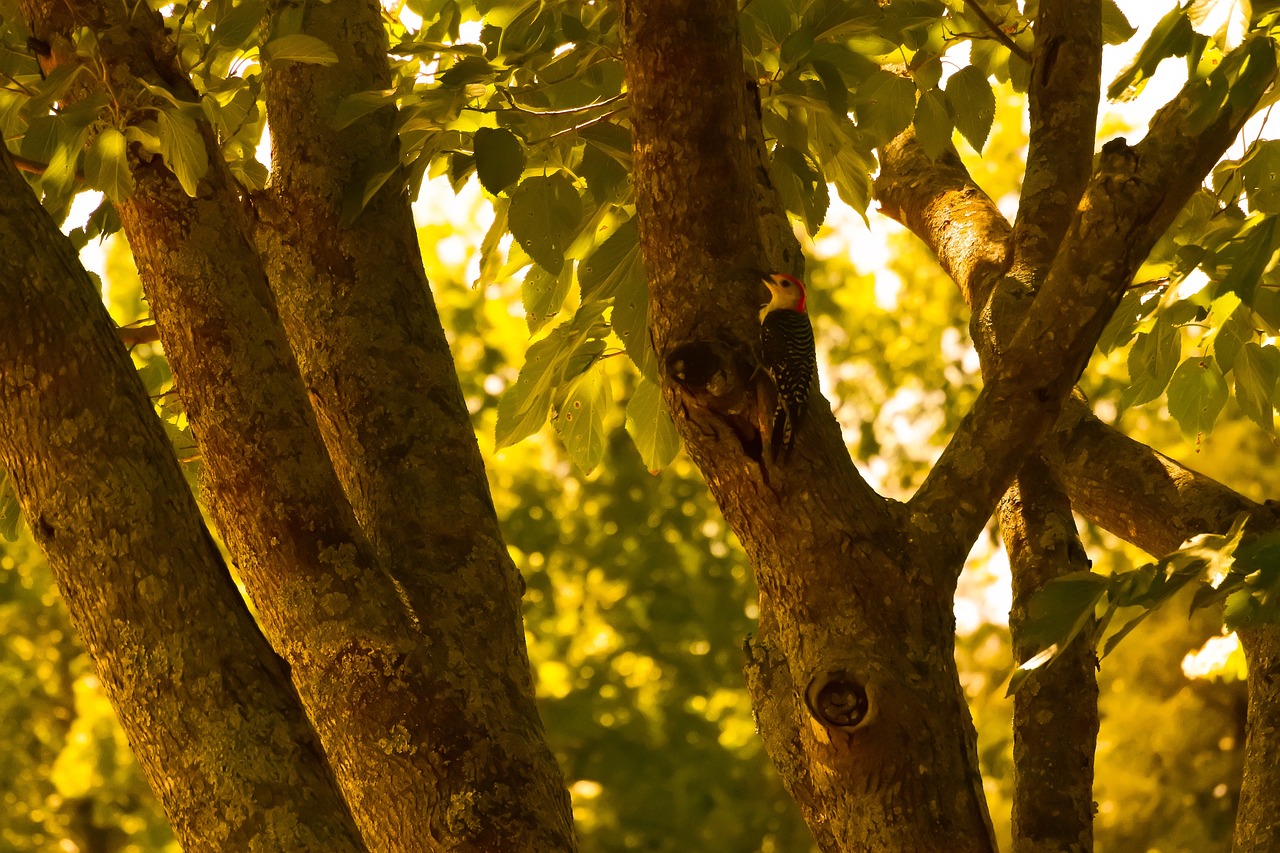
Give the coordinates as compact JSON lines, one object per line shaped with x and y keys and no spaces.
{"x":786,"y":348}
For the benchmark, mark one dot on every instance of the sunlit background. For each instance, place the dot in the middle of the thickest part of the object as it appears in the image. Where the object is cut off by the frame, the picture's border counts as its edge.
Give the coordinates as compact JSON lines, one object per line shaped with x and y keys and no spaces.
{"x":639,"y":597}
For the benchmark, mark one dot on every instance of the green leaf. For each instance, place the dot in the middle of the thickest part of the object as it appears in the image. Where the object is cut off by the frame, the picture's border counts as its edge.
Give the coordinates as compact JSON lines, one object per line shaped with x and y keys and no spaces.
{"x":651,"y":428}
{"x":610,"y":264}
{"x":1056,"y":614}
{"x":933,"y":123}
{"x":567,"y":351}
{"x":182,"y":147}
{"x":973,"y":104}
{"x":802,"y":189}
{"x":542,"y":294}
{"x":1171,"y":36}
{"x":1248,"y":259}
{"x":580,"y":419}
{"x":611,"y":139}
{"x":630,"y":321}
{"x":545,"y":215}
{"x":1232,"y":335}
{"x":1261,"y":176}
{"x":1197,"y":393}
{"x":845,"y":156}
{"x":500,"y":158}
{"x":1152,"y":360}
{"x":233,"y":29}
{"x":1116,"y":28}
{"x":10,"y":510}
{"x":106,"y":165}
{"x":381,"y":164}
{"x":1256,"y":370}
{"x":833,"y":86}
{"x":299,"y":48}
{"x":885,"y":104}
{"x":1225,"y":20}
{"x":360,"y":104}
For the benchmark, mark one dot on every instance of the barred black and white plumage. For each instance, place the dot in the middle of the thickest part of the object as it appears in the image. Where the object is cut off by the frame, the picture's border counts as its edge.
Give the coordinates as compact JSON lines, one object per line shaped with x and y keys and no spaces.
{"x":787,"y":350}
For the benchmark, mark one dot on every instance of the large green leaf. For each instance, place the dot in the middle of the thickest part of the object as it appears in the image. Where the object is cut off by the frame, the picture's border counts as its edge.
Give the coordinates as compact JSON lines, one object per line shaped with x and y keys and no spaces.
{"x":1172,"y":36}
{"x":1261,"y":176}
{"x":1249,"y":258}
{"x":579,"y":421}
{"x":611,"y":264}
{"x":567,"y":351}
{"x":545,"y":215}
{"x":651,"y":428}
{"x":885,"y":104}
{"x":1056,"y":614}
{"x":1197,"y":393}
{"x":500,"y":158}
{"x":1256,"y":370}
{"x":801,"y":187}
{"x":106,"y":165}
{"x":933,"y":122}
{"x":1152,"y":360}
{"x":845,"y":156}
{"x":299,"y":48}
{"x":182,"y":147}
{"x":973,"y":104}
{"x":542,"y":294}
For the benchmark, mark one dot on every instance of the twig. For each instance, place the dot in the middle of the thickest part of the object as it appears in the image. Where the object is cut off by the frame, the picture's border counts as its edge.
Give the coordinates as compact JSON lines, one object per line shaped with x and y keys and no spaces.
{"x":1000,"y":34}
{"x":515,"y":107}
{"x":578,"y":127}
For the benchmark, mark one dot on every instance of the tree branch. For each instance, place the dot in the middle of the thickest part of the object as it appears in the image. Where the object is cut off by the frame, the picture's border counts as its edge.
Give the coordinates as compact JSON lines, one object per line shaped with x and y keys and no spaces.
{"x":1132,"y":198}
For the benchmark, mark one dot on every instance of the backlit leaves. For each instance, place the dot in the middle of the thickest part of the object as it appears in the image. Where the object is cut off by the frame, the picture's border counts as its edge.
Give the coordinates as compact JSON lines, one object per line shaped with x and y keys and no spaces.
{"x":545,"y":215}
{"x":973,"y":104}
{"x":106,"y":165}
{"x":1197,"y":393}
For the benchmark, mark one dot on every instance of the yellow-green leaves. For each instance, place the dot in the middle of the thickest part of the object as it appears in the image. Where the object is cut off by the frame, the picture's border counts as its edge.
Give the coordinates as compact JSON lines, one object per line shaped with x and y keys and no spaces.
{"x":499,"y":157}
{"x":973,"y":104}
{"x":299,"y":48}
{"x":545,"y":215}
{"x":650,"y":427}
{"x":182,"y":147}
{"x":106,"y":165}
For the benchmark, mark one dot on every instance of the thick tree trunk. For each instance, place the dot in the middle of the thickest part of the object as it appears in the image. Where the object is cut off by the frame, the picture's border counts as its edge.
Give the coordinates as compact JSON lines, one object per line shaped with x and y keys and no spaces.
{"x":206,"y":704}
{"x":853,"y":661}
{"x":360,"y":316}
{"x":383,"y":698}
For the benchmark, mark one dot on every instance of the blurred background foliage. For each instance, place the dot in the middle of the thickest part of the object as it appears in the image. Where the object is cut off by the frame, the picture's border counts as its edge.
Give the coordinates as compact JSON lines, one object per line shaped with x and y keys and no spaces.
{"x":639,"y":597}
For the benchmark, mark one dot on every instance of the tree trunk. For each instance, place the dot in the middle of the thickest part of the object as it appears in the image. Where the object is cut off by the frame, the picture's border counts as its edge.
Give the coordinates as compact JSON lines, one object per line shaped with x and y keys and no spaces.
{"x":854,"y":656}
{"x":206,"y":704}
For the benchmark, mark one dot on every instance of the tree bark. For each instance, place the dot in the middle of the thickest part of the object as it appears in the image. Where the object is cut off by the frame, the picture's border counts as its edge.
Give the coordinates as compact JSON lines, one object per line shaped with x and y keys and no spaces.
{"x":360,"y":317}
{"x":385,"y":707}
{"x":854,"y":657}
{"x":1055,"y":713}
{"x":207,"y":706}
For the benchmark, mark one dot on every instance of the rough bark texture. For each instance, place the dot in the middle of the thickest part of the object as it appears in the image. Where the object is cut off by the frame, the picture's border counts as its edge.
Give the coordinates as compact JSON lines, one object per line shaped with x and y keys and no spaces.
{"x":361,"y":319}
{"x":1055,"y":716}
{"x":849,"y":613}
{"x":1055,"y":713}
{"x":1258,"y":819}
{"x":206,"y":704}
{"x":385,"y":709}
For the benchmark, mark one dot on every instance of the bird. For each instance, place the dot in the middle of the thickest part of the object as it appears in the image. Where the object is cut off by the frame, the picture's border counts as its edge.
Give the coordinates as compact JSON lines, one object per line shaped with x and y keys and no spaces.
{"x":788,"y":356}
